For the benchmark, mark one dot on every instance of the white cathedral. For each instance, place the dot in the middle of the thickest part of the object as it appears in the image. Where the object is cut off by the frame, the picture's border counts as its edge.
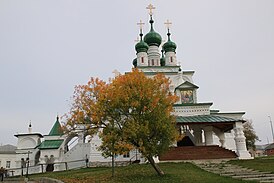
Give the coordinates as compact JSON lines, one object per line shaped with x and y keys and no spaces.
{"x":205,"y":133}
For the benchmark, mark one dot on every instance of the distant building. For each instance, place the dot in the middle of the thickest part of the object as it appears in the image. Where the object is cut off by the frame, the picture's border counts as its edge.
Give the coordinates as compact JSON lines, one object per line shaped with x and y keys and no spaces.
{"x":269,"y":150}
{"x":259,"y":150}
{"x":7,"y":156}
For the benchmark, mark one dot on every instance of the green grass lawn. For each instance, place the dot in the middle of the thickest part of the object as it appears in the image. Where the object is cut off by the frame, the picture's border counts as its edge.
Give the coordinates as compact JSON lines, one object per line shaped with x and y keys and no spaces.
{"x":174,"y":172}
{"x":262,"y":163}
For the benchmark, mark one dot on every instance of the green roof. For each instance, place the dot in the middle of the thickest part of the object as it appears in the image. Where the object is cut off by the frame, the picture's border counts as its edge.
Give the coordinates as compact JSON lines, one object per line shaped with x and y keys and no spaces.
{"x":56,"y":130}
{"x":141,"y":46}
{"x":169,"y":45}
{"x":152,"y":37}
{"x":50,"y":144}
{"x":204,"y":119}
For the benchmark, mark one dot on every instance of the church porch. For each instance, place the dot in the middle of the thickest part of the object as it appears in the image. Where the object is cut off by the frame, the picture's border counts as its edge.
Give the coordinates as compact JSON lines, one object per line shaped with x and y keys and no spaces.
{"x":209,"y":134}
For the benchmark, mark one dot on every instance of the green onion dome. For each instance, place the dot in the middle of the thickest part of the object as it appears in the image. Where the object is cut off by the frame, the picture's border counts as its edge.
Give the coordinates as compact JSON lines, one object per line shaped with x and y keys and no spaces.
{"x":152,"y":38}
{"x":141,"y":47}
{"x":169,"y":45}
{"x":134,"y":63}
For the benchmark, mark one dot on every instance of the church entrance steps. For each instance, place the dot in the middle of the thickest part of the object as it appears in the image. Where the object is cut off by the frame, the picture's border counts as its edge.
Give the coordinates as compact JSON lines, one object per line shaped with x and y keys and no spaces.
{"x":236,"y":172}
{"x":197,"y":153}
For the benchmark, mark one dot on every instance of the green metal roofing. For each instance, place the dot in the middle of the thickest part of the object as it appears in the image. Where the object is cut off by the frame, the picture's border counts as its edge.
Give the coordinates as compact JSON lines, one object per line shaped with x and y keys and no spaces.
{"x":204,"y":119}
{"x":152,"y":37}
{"x":141,"y":47}
{"x":56,"y":130}
{"x":50,"y":144}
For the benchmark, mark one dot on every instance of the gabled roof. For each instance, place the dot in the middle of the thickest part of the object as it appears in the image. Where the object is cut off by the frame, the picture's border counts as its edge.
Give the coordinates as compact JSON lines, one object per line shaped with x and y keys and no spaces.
{"x":56,"y":130}
{"x":187,"y":85}
{"x":50,"y":144}
{"x":7,"y":149}
{"x":204,"y":119}
{"x":270,"y":146}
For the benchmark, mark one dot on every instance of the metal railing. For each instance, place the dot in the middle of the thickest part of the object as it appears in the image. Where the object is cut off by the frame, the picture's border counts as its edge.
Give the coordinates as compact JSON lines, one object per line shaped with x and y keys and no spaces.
{"x":41,"y":168}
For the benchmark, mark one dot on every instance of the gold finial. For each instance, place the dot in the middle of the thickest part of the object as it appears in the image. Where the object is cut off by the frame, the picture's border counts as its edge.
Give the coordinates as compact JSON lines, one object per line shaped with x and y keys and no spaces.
{"x":168,"y":24}
{"x":116,"y":73}
{"x":140,"y":24}
{"x":137,"y":39}
{"x":150,"y":7}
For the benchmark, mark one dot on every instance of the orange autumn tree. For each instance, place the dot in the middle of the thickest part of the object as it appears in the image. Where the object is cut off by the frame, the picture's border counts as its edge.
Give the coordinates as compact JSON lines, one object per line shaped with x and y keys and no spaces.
{"x":132,"y":111}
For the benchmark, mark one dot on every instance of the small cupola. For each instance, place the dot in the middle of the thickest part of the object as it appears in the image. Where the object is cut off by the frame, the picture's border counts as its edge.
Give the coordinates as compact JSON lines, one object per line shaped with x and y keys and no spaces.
{"x":170,"y":49}
{"x":169,"y":46}
{"x":141,"y":46}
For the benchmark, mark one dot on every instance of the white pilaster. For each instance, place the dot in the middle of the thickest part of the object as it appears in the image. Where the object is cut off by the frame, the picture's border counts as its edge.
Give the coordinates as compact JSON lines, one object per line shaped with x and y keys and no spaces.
{"x":208,"y":130}
{"x":241,"y":150}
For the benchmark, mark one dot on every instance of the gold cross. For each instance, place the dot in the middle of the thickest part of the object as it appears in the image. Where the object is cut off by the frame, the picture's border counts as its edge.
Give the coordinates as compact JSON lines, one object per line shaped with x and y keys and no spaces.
{"x":140,"y":24}
{"x":150,"y":7}
{"x":168,"y":24}
{"x":137,"y":40}
{"x":116,"y":73}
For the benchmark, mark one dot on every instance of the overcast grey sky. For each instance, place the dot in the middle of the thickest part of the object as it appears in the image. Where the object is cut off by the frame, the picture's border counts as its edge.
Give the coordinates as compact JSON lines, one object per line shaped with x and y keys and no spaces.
{"x":48,"y":47}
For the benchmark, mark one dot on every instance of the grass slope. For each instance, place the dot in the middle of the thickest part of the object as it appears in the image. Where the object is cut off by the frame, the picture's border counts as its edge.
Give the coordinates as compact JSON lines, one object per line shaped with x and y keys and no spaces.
{"x":263,"y":163}
{"x":174,"y":172}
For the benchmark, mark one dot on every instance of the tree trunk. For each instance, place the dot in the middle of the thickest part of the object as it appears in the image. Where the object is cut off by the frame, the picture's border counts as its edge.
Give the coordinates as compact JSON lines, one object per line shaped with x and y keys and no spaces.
{"x":155,"y":166}
{"x":112,"y":164}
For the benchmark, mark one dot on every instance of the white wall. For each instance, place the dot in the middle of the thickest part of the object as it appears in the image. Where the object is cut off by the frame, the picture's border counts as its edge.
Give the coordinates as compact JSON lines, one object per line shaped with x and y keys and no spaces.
{"x":8,"y":157}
